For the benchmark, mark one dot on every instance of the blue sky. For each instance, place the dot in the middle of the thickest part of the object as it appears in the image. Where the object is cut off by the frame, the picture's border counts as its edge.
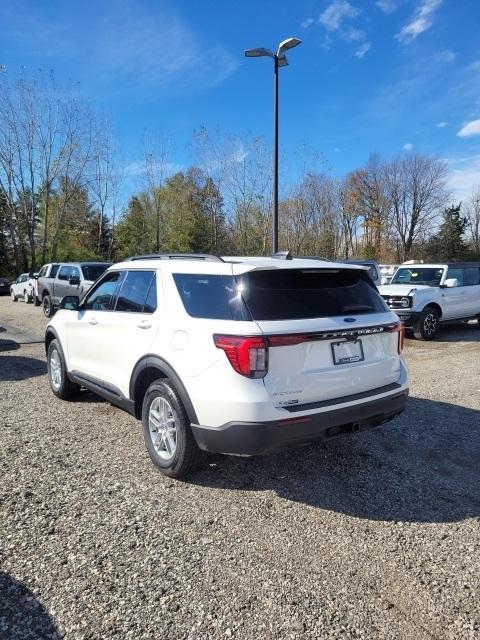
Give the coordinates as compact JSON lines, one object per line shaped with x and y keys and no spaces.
{"x":371,"y":75}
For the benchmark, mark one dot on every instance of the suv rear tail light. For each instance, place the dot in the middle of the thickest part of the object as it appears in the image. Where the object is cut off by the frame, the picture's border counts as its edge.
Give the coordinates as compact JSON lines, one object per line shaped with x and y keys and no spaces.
{"x":400,"y":329}
{"x":247,"y":355}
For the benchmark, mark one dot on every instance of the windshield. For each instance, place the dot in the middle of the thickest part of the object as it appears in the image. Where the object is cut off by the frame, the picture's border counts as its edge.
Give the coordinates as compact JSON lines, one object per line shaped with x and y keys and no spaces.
{"x":94,"y":271}
{"x":430,"y":276}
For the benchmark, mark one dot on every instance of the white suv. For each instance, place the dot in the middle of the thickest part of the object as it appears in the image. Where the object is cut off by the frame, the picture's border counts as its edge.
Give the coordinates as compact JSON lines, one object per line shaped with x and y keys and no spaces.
{"x":232,"y":355}
{"x":426,"y":295}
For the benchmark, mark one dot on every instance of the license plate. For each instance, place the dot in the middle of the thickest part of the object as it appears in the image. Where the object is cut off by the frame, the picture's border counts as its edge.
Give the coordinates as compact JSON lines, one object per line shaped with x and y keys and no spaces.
{"x":347,"y":351}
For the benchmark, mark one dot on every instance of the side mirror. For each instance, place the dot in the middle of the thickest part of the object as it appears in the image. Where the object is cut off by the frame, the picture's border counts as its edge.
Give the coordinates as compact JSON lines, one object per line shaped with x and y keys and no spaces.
{"x":74,"y":280}
{"x":70,"y":303}
{"x":451,"y":282}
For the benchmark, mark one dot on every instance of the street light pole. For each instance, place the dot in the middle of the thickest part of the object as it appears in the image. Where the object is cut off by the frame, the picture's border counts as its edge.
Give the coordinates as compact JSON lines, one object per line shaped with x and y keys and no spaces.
{"x":279,"y":60}
{"x":275,"y":156}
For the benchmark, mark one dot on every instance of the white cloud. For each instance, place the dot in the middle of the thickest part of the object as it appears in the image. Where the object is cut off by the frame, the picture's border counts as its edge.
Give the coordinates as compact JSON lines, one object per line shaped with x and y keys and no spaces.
{"x":472,"y":128}
{"x":307,"y":23}
{"x":387,"y":6}
{"x":362,"y":50}
{"x":335,"y":13}
{"x":474,"y":66}
{"x":421,"y":20}
{"x":445,"y":56}
{"x":464,"y":176}
{"x":442,"y":125}
{"x":408,"y":146}
{"x":353,"y":35}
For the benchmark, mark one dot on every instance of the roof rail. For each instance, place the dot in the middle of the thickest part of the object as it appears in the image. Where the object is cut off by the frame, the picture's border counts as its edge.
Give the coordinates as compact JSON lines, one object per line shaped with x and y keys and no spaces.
{"x":179,"y":256}
{"x":283,"y":255}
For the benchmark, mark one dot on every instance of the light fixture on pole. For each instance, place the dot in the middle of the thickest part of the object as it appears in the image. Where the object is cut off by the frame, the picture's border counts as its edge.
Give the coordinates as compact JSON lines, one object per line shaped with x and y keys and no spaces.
{"x":280,"y":60}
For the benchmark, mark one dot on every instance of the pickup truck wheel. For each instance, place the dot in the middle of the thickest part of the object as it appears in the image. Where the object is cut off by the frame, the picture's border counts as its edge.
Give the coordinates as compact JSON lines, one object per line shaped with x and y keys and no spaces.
{"x":13,"y":296}
{"x":47,"y":306}
{"x":61,"y":386}
{"x":166,"y":430}
{"x":426,"y":327}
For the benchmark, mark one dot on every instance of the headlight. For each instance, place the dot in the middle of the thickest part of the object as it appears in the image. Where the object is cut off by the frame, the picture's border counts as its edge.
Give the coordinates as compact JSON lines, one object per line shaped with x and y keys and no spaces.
{"x":405,"y":302}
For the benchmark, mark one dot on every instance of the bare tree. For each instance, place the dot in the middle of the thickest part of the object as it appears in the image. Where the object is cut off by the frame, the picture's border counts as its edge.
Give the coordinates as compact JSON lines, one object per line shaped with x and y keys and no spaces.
{"x":473,"y":219}
{"x":416,"y":186}
{"x":156,"y":158}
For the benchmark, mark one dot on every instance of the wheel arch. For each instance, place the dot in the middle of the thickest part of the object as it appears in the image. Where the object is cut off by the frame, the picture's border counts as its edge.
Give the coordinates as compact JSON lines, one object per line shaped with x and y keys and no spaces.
{"x":434,"y":305}
{"x":51,"y":334}
{"x":151,"y":368}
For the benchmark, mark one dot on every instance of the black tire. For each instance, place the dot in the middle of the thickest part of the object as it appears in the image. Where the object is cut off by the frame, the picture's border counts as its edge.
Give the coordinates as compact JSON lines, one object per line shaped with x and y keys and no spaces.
{"x":426,"y":327}
{"x":186,"y":456}
{"x":36,"y":301}
{"x":47,"y":306}
{"x":13,"y":296}
{"x":27,"y":297}
{"x":63,"y":388}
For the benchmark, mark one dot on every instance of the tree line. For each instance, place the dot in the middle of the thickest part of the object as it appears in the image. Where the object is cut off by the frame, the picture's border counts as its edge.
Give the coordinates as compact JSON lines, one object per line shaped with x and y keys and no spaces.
{"x":61,"y":192}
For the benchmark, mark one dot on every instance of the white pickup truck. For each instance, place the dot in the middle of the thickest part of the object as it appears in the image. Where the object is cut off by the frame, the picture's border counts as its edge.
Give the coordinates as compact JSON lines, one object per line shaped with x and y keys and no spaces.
{"x":427,"y":295}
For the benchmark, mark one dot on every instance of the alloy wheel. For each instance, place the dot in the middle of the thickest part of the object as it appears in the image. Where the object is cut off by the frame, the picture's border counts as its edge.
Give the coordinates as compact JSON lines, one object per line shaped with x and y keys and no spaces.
{"x":162,"y":427}
{"x":430,"y":324}
{"x":55,"y":369}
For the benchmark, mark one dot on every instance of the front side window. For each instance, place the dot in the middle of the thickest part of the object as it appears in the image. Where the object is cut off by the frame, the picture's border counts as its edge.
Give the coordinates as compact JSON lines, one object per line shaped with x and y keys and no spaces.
{"x":430,"y":276}
{"x":64,"y":272}
{"x":42,"y":272}
{"x":138,"y":293}
{"x":102,"y":297}
{"x":456,"y":272}
{"x":75,"y":273}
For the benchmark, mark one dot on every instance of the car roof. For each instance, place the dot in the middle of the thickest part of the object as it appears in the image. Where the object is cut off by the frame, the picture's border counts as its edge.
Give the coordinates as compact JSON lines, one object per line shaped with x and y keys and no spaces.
{"x":230,"y":264}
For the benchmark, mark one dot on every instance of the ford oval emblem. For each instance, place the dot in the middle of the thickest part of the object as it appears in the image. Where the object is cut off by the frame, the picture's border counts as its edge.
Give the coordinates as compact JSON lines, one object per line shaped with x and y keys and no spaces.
{"x":349,"y":319}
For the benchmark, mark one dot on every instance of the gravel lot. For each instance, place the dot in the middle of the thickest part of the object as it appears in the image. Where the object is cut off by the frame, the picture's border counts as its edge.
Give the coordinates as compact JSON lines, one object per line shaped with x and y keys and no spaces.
{"x":373,"y":536}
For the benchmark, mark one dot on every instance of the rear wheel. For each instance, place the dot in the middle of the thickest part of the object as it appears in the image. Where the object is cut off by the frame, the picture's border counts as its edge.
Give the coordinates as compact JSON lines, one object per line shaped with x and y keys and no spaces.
{"x":166,"y":430}
{"x":26,"y":297}
{"x":61,"y":386}
{"x":426,"y":327}
{"x":13,"y":296}
{"x":47,"y":306}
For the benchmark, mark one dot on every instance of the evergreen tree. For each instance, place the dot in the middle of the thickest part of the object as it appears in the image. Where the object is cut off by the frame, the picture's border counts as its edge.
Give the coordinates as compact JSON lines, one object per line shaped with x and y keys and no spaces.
{"x":448,"y":243}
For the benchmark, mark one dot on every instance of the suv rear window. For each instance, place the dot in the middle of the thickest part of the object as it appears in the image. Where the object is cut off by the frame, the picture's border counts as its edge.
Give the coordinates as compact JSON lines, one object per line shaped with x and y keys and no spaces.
{"x":94,"y":271}
{"x":279,"y":294}
{"x":293,"y":294}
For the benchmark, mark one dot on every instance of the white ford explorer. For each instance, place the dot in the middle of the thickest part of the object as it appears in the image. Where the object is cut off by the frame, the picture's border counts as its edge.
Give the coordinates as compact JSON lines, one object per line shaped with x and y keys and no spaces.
{"x":232,"y":355}
{"x":426,"y":295}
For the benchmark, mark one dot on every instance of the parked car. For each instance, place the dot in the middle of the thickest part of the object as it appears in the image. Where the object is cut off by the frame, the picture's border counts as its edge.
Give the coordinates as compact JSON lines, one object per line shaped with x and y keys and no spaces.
{"x":373,"y":268}
{"x":22,"y":288}
{"x":233,"y":355}
{"x":4,"y":286}
{"x":66,"y":279}
{"x":424,"y":296}
{"x":387,"y":271}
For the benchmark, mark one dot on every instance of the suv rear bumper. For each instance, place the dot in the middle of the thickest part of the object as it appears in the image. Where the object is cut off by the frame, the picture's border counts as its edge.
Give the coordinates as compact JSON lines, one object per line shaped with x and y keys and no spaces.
{"x":252,"y":438}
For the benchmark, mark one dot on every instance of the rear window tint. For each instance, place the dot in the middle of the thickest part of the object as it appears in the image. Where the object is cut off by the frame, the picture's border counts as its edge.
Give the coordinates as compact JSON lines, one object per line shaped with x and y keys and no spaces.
{"x":94,"y":271}
{"x":211,"y":296}
{"x":295,"y":294}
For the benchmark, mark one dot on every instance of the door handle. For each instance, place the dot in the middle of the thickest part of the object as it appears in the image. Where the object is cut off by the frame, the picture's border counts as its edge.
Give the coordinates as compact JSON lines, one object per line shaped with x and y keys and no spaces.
{"x":93,"y":321}
{"x":144,"y":324}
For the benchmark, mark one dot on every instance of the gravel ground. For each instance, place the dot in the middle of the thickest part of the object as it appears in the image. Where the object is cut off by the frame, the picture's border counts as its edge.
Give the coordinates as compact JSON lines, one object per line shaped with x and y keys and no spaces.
{"x":375,"y":536}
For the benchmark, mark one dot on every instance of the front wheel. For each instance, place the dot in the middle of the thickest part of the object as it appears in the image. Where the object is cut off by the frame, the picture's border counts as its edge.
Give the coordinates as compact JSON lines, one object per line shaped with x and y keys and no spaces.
{"x":26,"y":297}
{"x":166,"y":430}
{"x":47,"y":306}
{"x":426,"y":327}
{"x":60,"y":384}
{"x":13,"y":296}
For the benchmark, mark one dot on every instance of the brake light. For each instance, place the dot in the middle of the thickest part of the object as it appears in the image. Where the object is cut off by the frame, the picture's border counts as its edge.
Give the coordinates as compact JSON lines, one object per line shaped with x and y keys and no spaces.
{"x":400,"y":329}
{"x":247,"y":355}
{"x":287,"y":340}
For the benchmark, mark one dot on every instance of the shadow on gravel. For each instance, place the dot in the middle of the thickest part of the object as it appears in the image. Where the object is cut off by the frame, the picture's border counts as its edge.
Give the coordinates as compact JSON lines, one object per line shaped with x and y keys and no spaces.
{"x":8,"y":345}
{"x":422,"y":467}
{"x":21,"y":614}
{"x":21,"y":368}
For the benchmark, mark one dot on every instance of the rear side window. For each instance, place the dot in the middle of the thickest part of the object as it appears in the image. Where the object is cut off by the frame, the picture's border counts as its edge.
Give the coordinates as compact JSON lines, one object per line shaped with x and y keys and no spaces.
{"x":138,"y":293}
{"x":211,"y":296}
{"x":53,"y":270}
{"x":294,"y":294}
{"x":472,"y":275}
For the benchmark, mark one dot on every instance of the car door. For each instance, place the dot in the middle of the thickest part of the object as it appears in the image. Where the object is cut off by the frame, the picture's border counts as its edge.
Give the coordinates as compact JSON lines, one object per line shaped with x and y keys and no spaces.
{"x":116,"y":326}
{"x":73,"y":289}
{"x":60,"y":285}
{"x":472,"y":289}
{"x":455,"y":298}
